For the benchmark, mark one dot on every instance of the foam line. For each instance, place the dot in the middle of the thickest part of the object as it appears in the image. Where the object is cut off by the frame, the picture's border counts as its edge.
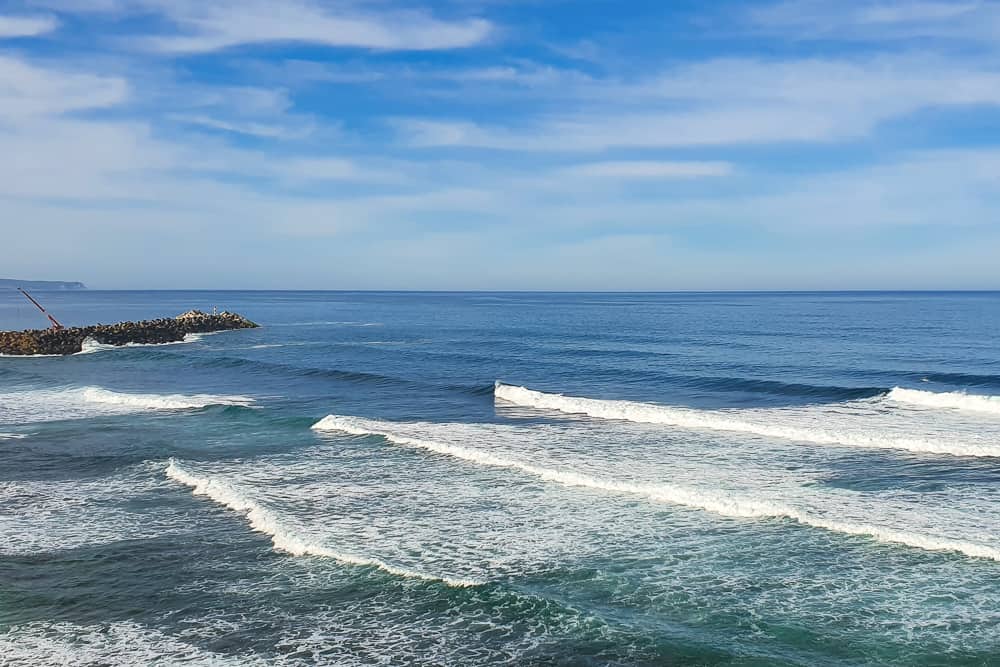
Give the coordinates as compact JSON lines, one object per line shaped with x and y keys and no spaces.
{"x":90,"y":345}
{"x":160,"y":401}
{"x":28,"y":356}
{"x":263,"y":520}
{"x":957,"y":400}
{"x":729,"y":420}
{"x":109,"y":644}
{"x":12,"y":436}
{"x":717,"y":502}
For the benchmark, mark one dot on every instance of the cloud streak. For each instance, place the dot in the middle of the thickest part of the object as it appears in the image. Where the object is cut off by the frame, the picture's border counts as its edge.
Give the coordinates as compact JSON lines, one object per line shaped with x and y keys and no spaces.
{"x":27,"y":90}
{"x":648,"y":170}
{"x":868,"y":20}
{"x":734,"y":101}
{"x":207,"y":27}
{"x":26,"y":26}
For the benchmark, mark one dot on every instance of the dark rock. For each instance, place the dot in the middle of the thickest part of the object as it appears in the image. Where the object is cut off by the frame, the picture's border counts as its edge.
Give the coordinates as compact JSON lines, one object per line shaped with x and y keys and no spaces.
{"x":165,"y":330}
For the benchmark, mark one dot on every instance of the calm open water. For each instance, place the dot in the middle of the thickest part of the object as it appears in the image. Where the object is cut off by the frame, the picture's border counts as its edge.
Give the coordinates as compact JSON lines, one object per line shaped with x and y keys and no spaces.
{"x":656,"y":479}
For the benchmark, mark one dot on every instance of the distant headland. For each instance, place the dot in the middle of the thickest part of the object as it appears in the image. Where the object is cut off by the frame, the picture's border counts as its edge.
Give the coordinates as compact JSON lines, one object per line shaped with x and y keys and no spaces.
{"x":10,"y":283}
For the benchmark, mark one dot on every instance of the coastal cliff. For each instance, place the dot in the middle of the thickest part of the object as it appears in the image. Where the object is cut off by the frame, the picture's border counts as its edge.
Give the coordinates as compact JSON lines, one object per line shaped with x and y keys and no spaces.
{"x":165,"y":330}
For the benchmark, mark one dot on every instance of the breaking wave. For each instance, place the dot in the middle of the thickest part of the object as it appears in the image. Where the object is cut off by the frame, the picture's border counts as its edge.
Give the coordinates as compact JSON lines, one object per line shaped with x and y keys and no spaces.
{"x":714,"y":501}
{"x":765,"y":423}
{"x":957,"y":400}
{"x":263,"y":520}
{"x":90,"y":345}
{"x":161,"y":401}
{"x":27,"y":356}
{"x":44,"y":405}
{"x":12,"y":436}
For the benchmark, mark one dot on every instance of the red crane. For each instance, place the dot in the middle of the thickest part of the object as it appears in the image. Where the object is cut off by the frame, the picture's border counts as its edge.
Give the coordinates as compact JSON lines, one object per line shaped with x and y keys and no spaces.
{"x":55,"y":322}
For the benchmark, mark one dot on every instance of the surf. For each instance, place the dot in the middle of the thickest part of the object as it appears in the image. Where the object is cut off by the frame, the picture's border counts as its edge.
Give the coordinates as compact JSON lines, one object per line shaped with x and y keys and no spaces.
{"x":761,"y":422}
{"x":263,"y":520}
{"x":161,"y":401}
{"x":957,"y":400}
{"x":91,"y":345}
{"x":48,"y":405}
{"x":716,"y":502}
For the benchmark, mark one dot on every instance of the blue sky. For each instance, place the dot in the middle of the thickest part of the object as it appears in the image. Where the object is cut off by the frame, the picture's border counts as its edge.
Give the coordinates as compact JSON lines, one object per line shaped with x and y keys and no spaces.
{"x":501,"y":144}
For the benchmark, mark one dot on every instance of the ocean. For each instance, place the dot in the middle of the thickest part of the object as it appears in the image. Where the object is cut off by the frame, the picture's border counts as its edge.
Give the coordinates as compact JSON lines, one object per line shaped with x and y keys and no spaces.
{"x":377,"y":478}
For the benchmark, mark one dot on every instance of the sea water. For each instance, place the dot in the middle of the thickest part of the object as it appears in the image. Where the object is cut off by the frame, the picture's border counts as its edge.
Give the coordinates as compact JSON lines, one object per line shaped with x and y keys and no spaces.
{"x":483,"y":478}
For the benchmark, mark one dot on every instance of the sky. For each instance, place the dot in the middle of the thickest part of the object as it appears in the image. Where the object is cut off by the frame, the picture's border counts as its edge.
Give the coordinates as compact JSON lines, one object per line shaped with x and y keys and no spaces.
{"x":501,"y":144}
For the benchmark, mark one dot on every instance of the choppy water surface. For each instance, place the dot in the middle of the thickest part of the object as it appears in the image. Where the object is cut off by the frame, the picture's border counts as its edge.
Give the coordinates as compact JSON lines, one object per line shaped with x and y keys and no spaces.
{"x":463,"y":479}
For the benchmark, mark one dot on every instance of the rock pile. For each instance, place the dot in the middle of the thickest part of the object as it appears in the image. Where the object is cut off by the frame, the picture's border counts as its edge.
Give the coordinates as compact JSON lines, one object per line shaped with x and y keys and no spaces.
{"x":164,"y":330}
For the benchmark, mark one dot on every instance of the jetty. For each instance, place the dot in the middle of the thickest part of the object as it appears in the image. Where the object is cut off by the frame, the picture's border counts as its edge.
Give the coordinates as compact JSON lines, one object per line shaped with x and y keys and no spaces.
{"x":59,"y":340}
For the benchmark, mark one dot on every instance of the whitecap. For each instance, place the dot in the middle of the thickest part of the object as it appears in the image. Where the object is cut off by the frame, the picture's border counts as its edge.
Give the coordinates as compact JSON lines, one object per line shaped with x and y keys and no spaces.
{"x":161,"y":401}
{"x":42,"y":405}
{"x":719,"y":502}
{"x":800,"y":424}
{"x":90,"y":345}
{"x":957,"y":400}
{"x":117,"y":644}
{"x":284,"y":538}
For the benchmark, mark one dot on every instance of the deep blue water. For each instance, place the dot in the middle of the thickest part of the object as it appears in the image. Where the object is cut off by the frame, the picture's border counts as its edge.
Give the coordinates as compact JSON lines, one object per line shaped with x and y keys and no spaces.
{"x":726,"y":479}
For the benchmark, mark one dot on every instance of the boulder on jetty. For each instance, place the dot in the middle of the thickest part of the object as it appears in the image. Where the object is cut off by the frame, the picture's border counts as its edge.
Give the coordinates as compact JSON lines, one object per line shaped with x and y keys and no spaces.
{"x":165,"y":330}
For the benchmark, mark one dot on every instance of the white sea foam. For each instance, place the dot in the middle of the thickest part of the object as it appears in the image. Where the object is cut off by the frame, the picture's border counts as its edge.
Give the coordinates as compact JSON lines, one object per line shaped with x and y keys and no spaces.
{"x":42,"y":405}
{"x":28,"y":356}
{"x":90,"y":346}
{"x":717,"y":502}
{"x":122,"y":643}
{"x":12,"y":436}
{"x":957,"y":400}
{"x":50,"y":515}
{"x":782,"y":423}
{"x":284,"y":539}
{"x":161,"y":401}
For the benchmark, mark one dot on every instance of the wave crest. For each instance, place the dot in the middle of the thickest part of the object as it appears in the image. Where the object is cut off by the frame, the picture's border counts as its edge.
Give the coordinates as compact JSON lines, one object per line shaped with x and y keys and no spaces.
{"x":714,"y":501}
{"x":763,"y":423}
{"x":957,"y":400}
{"x":47,"y":405}
{"x":263,"y":520}
{"x":91,"y":345}
{"x":161,"y":401}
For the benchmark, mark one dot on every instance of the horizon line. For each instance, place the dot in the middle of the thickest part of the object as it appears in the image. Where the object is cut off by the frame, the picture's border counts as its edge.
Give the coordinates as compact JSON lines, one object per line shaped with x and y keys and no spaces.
{"x":540,"y":291}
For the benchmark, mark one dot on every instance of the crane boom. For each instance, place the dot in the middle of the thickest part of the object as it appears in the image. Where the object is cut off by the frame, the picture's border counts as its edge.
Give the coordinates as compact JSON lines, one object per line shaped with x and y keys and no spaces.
{"x":55,"y":323}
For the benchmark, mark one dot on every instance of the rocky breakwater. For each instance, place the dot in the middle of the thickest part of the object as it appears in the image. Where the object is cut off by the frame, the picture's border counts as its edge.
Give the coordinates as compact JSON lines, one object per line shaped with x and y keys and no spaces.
{"x":165,"y":330}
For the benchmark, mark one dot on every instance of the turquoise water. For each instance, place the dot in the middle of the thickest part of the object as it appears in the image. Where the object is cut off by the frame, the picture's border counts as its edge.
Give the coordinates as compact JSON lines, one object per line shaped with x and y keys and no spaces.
{"x":537,"y":479}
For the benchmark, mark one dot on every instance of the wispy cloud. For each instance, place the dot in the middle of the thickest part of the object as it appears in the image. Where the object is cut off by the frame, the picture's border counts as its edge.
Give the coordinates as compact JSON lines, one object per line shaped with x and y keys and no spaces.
{"x":206,"y":27}
{"x":26,"y":26}
{"x":733,"y":101}
{"x":27,"y":90}
{"x":253,"y":111}
{"x":874,"y":19}
{"x":648,"y":169}
{"x":243,"y":127}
